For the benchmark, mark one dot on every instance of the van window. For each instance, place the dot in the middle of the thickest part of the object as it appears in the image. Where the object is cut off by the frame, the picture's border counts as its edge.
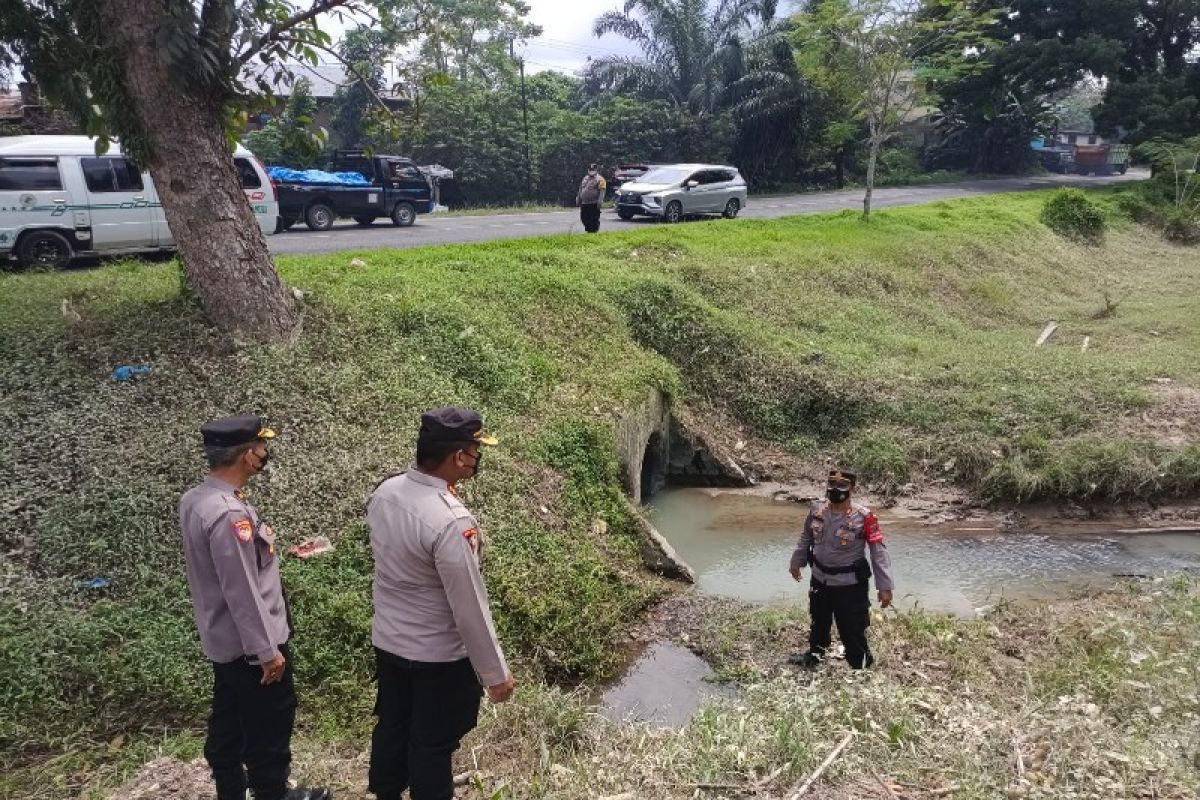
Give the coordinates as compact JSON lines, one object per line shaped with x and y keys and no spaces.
{"x":29,"y":174}
{"x":250,"y":179}
{"x":110,"y":175}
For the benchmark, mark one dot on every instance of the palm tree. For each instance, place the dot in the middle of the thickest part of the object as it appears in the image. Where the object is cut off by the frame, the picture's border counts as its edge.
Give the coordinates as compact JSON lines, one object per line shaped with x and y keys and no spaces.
{"x":691,"y":49}
{"x":770,"y":104}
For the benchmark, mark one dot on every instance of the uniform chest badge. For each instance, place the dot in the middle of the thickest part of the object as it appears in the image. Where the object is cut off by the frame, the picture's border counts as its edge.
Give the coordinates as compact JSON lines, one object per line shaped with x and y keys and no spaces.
{"x":243,"y":530}
{"x":845,"y":536}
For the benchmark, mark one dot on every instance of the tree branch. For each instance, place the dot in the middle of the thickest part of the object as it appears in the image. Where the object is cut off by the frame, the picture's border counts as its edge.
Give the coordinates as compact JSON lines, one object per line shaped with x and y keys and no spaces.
{"x":276,"y":31}
{"x":350,"y":67}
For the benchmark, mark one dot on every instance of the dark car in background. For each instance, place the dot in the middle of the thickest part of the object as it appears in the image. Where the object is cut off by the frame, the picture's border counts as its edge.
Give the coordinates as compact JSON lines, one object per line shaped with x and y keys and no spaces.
{"x":627,"y":173}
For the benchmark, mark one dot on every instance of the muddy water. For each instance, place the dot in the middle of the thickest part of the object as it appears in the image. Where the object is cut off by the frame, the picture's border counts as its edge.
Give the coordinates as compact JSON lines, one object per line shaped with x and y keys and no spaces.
{"x":739,"y":545}
{"x":664,"y":686}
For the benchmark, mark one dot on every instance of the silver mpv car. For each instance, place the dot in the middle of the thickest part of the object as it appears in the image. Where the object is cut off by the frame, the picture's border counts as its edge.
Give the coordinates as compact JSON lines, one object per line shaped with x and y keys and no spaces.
{"x":676,"y":191}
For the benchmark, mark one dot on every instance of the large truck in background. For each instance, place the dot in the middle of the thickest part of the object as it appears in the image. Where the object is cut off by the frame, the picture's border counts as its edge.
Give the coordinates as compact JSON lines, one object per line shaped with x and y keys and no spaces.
{"x":1082,"y":153}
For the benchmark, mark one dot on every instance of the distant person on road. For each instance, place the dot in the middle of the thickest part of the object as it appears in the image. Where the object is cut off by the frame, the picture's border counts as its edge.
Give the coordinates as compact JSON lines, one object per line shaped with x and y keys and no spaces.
{"x":435,"y":644}
{"x":837,"y":535}
{"x":590,"y":198}
{"x":233,"y":575}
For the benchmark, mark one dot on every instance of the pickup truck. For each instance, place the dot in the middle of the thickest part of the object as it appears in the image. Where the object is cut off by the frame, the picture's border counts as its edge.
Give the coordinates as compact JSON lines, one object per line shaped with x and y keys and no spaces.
{"x":396,"y":189}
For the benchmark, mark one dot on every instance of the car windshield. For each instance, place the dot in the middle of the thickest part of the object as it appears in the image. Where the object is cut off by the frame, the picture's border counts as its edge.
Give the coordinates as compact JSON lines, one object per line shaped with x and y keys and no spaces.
{"x":666,"y":175}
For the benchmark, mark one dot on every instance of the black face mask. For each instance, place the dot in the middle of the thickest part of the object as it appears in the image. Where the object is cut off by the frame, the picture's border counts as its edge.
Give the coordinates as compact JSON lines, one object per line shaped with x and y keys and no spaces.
{"x":475,"y":467}
{"x":837,"y":495}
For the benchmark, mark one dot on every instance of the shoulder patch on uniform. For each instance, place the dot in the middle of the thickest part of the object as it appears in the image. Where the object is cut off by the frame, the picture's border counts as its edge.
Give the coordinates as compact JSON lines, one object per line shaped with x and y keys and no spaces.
{"x":472,"y":537}
{"x":243,"y":530}
{"x":455,"y":505}
{"x":871,"y":530}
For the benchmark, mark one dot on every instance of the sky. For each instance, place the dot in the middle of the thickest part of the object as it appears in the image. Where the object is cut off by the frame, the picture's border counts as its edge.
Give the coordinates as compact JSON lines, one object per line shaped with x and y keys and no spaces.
{"x":567,"y":41}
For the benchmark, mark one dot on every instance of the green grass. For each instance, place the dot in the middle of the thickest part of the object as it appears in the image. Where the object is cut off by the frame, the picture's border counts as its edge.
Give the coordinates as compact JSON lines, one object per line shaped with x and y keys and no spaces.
{"x":904,"y":345}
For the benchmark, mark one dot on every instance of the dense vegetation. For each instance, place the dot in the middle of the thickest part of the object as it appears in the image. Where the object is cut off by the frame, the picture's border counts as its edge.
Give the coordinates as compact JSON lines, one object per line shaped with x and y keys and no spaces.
{"x":904,"y":345}
{"x":786,"y":99}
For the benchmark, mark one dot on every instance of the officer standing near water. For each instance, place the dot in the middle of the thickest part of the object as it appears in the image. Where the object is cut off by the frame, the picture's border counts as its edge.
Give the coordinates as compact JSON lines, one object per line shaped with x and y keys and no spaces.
{"x":435,"y":644}
{"x":233,"y":575}
{"x":837,"y":534}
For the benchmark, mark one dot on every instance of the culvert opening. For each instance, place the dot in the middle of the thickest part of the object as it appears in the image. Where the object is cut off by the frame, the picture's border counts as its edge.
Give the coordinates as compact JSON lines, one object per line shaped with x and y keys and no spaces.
{"x":654,"y":475}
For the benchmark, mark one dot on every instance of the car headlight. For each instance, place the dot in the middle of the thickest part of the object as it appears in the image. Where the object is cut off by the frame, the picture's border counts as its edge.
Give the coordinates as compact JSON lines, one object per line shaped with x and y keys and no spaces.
{"x":650,"y":199}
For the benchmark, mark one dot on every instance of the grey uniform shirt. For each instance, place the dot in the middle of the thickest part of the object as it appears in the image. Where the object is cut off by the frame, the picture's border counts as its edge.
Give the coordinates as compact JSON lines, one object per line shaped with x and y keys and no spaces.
{"x":233,"y":574}
{"x":430,"y":600}
{"x":839,"y":540}
{"x":591,"y":190}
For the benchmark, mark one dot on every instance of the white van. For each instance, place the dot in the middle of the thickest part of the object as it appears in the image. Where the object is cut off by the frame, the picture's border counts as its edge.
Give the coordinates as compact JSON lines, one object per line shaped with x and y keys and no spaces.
{"x":59,"y":200}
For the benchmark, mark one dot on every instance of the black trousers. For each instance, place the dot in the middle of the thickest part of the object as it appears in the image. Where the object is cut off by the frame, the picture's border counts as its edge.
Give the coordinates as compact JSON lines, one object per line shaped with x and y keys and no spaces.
{"x":850,"y":606}
{"x":424,"y":709}
{"x":589,"y":215}
{"x":250,"y":730}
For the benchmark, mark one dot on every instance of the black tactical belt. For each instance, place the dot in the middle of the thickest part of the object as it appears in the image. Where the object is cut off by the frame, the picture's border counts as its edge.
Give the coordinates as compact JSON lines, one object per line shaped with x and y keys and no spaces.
{"x":859,"y":567}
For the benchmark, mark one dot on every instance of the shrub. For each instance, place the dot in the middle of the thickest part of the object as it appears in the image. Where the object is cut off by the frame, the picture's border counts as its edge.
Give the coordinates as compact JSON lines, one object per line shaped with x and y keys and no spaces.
{"x":1069,"y":213}
{"x":1182,"y":226}
{"x":1138,"y":208}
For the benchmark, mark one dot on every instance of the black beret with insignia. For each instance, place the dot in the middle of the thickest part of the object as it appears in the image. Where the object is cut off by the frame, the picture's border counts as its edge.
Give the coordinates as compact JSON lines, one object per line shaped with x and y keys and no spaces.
{"x":453,"y":425}
{"x":233,"y":431}
{"x":842,"y":475}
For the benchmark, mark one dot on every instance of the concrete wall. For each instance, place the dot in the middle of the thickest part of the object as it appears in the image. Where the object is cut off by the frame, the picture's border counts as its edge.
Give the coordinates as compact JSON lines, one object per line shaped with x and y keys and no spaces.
{"x":634,"y":432}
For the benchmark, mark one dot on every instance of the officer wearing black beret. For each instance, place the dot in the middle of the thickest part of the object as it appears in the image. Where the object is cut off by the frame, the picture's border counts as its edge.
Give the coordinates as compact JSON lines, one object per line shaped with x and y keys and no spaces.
{"x":435,"y":645}
{"x":241,"y":613}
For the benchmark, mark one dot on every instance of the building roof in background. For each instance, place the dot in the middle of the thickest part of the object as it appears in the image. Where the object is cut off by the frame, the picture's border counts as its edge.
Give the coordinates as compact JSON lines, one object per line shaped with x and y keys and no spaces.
{"x":324,"y":78}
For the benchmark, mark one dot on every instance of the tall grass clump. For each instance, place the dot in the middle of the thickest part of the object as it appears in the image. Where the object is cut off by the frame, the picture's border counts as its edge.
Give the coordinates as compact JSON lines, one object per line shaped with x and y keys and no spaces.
{"x":1070,"y":213}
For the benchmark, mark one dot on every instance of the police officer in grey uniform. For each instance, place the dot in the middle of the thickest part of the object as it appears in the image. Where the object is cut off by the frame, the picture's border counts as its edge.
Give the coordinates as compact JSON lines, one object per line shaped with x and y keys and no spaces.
{"x":233,"y":575}
{"x":837,"y":534}
{"x":435,"y":644}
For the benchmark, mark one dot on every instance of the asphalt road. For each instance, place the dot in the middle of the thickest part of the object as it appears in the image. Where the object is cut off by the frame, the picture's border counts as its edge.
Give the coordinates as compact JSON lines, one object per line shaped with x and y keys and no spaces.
{"x":434,"y":229}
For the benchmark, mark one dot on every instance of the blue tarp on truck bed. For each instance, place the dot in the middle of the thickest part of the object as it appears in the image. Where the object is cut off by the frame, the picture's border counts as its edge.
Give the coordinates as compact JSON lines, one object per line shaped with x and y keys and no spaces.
{"x":316,"y":176}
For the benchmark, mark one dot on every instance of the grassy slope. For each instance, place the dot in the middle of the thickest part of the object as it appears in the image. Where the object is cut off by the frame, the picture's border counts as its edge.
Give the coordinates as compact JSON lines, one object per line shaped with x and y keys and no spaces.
{"x":924,"y":319}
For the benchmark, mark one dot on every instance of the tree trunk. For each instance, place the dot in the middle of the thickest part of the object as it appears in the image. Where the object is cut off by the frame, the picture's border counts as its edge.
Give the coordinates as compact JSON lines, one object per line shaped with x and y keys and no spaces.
{"x":841,"y":166}
{"x":871,"y":161}
{"x":223,"y":249}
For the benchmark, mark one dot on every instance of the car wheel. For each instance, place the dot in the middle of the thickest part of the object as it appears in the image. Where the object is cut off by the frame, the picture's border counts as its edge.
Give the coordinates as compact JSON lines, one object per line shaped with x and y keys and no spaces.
{"x":44,"y":249}
{"x":674,"y":212}
{"x":365,"y":220}
{"x":319,"y":217}
{"x":625,"y":214}
{"x":732,"y":208}
{"x":403,"y":215}
{"x":1123,"y":169}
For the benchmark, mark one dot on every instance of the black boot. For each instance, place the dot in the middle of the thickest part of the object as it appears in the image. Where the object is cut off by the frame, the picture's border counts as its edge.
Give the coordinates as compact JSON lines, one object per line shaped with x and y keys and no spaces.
{"x":303,"y":793}
{"x":315,"y":793}
{"x":807,"y":660}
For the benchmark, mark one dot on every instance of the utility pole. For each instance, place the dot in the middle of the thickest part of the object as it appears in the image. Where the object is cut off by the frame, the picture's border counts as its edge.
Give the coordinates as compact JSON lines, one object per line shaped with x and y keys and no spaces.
{"x":525,"y":121}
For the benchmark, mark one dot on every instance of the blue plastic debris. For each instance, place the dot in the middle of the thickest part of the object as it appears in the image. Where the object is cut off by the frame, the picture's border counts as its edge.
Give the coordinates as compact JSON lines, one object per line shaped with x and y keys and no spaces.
{"x":127,"y":373}
{"x":95,"y":583}
{"x":316,"y":176}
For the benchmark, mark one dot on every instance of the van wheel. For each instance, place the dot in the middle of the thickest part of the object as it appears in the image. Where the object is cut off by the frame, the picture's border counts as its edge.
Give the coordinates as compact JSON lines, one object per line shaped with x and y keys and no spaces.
{"x":365,"y":220}
{"x":625,"y":214}
{"x":674,"y":211}
{"x":44,"y":249}
{"x":731,"y":209}
{"x":319,"y":217}
{"x":403,"y":215}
